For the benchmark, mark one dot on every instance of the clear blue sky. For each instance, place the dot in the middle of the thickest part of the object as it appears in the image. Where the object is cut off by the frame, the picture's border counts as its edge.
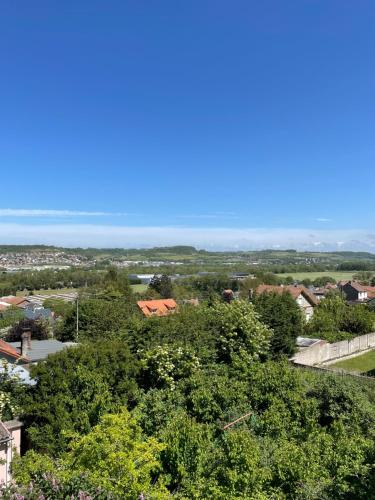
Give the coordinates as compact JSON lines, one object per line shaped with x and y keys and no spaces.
{"x":200,"y":117}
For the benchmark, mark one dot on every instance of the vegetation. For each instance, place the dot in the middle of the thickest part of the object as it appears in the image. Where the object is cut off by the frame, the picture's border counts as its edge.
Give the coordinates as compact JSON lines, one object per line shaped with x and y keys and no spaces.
{"x":199,"y":404}
{"x":281,"y":313}
{"x":364,"y":364}
{"x":334,"y":320}
{"x":40,"y":330}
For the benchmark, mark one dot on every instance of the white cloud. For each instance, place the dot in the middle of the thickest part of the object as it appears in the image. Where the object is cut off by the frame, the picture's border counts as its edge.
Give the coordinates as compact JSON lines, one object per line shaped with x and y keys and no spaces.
{"x":25,"y":212}
{"x":100,"y":235}
{"x":216,"y":215}
{"x":323,"y":219}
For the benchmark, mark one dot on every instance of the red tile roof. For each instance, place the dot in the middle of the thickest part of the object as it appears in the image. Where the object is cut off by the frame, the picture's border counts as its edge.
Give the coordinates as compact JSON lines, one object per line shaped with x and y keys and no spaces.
{"x":161,"y":307}
{"x":7,"y":349}
{"x":15,"y":301}
{"x":295,"y":291}
{"x":4,"y":305}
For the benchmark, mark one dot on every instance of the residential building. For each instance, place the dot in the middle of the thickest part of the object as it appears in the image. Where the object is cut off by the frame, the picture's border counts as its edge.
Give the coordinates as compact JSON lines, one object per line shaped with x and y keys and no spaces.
{"x":10,"y":442}
{"x":353,"y":291}
{"x":304,"y":298}
{"x":38,"y":350}
{"x":160,"y":307}
{"x":12,"y":300}
{"x":9,"y":353}
{"x":28,"y":351}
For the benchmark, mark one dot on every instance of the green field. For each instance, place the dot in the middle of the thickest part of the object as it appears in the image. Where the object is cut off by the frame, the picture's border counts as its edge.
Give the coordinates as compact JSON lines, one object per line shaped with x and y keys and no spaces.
{"x":139,"y":288}
{"x":360,"y":364}
{"x":337,"y":275}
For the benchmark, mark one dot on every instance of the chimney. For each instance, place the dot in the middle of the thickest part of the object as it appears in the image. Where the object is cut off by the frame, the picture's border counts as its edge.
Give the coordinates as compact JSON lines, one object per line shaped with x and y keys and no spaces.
{"x":25,"y":342}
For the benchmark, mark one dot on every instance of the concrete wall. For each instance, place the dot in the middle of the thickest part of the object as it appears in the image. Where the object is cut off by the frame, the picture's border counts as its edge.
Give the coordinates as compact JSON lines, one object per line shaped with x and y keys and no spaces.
{"x":322,"y":351}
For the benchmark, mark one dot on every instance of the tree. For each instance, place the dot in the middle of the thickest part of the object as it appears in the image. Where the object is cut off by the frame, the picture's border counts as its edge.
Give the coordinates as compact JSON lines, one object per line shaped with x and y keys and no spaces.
{"x":39,"y":328}
{"x":323,"y":280}
{"x":61,"y":308}
{"x":98,"y":318}
{"x":163,"y":366}
{"x":117,"y":281}
{"x":281,"y":313}
{"x":240,"y":335}
{"x":163,"y":285}
{"x":113,"y":456}
{"x":10,"y":316}
{"x":334,"y":320}
{"x":74,"y":388}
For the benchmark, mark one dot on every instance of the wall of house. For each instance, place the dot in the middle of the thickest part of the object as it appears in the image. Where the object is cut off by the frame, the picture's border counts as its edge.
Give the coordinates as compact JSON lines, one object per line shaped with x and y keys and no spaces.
{"x":306,"y":307}
{"x":322,"y":351}
{"x":353,"y":294}
{"x":7,"y":450}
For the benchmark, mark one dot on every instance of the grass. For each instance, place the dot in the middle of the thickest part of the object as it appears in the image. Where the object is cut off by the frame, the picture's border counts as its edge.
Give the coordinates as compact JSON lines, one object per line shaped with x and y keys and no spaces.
{"x":139,"y":288}
{"x":337,"y":275}
{"x":363,"y":364}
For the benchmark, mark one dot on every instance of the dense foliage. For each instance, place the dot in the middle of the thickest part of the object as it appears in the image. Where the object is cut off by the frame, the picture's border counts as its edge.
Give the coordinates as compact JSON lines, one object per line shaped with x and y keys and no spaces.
{"x":199,"y":404}
{"x":334,"y":320}
{"x":282,"y":314}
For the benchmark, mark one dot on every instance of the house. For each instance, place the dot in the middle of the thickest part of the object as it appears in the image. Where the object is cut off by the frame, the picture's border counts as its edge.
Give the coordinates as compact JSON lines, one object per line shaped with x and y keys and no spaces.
{"x":10,"y":442}
{"x":304,"y":298}
{"x":241,"y":276}
{"x":353,"y":291}
{"x":28,"y":351}
{"x":35,"y":312}
{"x":370,"y":291}
{"x":9,"y":353}
{"x":38,"y":350}
{"x":321,"y":292}
{"x":161,"y":307}
{"x":12,"y":300}
{"x":4,"y":306}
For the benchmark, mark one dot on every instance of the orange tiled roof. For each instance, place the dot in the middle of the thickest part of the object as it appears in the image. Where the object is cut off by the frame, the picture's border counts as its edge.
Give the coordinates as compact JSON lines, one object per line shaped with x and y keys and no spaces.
{"x":295,"y":291}
{"x":160,"y":307}
{"x":14,"y":301}
{"x":5,"y":348}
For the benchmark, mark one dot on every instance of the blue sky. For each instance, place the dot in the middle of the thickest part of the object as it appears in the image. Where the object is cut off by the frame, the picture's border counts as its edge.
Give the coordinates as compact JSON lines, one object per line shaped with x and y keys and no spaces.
{"x":238,"y":124}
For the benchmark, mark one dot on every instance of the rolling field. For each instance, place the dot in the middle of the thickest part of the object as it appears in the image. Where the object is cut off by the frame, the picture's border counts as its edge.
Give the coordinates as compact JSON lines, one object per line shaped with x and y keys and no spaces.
{"x":362,"y":364}
{"x":139,"y":288}
{"x":337,"y":275}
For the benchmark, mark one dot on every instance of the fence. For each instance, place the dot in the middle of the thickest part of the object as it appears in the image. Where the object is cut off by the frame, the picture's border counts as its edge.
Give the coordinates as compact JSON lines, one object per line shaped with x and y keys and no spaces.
{"x":370,"y":381}
{"x":322,"y":351}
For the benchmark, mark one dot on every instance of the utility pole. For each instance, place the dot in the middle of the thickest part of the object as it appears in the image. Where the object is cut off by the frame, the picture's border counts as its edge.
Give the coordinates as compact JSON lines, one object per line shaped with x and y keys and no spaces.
{"x":77,"y":324}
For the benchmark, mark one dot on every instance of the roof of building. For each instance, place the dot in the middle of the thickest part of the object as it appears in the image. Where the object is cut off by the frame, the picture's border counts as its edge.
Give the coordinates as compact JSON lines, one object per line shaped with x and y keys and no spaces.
{"x":9,"y":350}
{"x":38,"y":313}
{"x":17,"y":371}
{"x":15,"y":301}
{"x":4,"y":433}
{"x":295,"y":291}
{"x":40,"y":349}
{"x":4,"y":305}
{"x":306,"y":342}
{"x":370,"y":291}
{"x":160,"y":307}
{"x":354,"y":284}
